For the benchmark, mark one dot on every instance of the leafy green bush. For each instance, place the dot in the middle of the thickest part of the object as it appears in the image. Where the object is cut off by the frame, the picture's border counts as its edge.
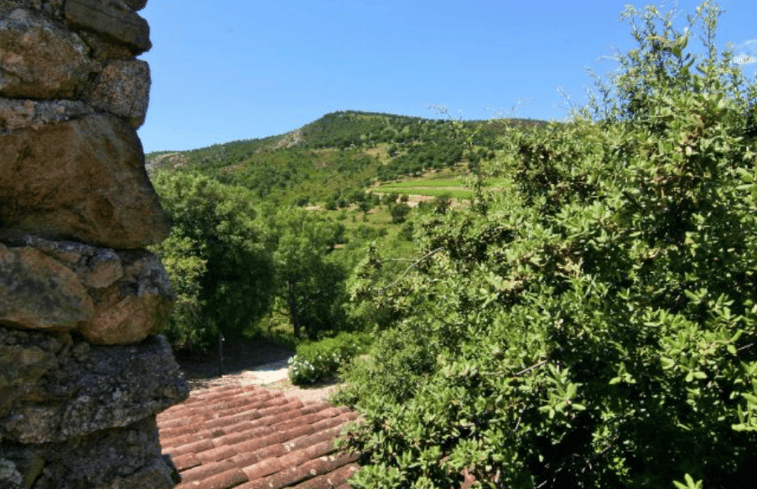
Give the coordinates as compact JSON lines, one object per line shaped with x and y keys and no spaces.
{"x":318,"y":360}
{"x":596,"y":326}
{"x":182,"y":260}
{"x":399,"y":212}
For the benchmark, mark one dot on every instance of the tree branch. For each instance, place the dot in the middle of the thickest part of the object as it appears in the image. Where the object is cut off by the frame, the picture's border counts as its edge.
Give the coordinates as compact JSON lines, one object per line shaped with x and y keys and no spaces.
{"x":419,"y":260}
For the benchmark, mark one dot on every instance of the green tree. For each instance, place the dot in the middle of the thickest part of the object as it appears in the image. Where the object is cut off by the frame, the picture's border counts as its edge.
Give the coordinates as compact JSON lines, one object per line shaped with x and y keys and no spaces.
{"x":183,"y":261}
{"x":442,"y":203}
{"x":309,"y":286}
{"x":399,"y":212}
{"x":595,"y":327}
{"x":390,"y":198}
{"x":228,"y":272}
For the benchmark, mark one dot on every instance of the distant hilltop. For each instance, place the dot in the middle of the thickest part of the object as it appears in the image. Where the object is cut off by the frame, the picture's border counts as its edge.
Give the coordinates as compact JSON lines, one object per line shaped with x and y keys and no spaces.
{"x":341,"y":126}
{"x":345,"y":153}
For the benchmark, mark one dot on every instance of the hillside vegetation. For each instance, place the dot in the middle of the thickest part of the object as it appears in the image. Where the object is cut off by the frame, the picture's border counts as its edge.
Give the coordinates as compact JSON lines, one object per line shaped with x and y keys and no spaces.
{"x":585,"y":317}
{"x":343,"y":154}
{"x":348,"y":179}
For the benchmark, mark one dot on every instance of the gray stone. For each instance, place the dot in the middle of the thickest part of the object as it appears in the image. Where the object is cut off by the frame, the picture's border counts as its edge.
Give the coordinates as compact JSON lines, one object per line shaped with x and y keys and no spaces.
{"x":121,"y":458}
{"x":157,"y":475}
{"x":51,"y":8}
{"x":24,"y":359}
{"x":10,"y":478}
{"x":96,"y":268}
{"x":104,"y":49}
{"x":39,"y":60}
{"x":8,"y":6}
{"x":136,"y":5}
{"x":123,"y":89}
{"x":37,"y":292}
{"x":112,"y":19}
{"x":95,"y":389}
{"x":81,"y":180}
{"x":21,"y":114}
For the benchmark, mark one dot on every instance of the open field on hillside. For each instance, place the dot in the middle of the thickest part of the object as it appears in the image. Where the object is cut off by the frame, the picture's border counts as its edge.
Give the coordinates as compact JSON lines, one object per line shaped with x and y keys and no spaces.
{"x":454,"y":187}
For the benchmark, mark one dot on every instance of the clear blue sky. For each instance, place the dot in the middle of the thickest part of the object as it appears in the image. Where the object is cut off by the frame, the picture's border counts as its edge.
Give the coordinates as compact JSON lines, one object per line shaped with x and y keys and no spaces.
{"x":240,"y":69}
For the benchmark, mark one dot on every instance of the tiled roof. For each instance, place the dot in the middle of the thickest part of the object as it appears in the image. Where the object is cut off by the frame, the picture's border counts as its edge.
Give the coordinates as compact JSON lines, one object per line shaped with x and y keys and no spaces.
{"x":247,"y":437}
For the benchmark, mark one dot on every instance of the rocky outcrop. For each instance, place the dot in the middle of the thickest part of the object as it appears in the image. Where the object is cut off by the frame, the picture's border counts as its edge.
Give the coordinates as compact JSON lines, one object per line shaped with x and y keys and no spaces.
{"x":120,"y":458}
{"x":32,"y":114}
{"x":40,"y":293}
{"x":82,"y":372}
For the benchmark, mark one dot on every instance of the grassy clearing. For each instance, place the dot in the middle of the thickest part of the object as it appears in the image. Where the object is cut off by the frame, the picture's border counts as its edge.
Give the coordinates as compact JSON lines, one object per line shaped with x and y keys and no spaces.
{"x":435,"y":185}
{"x":438,"y":192}
{"x":440,"y":182}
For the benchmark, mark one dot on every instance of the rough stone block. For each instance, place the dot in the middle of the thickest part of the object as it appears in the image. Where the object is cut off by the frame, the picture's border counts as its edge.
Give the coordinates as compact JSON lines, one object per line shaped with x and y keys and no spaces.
{"x":111,"y":19}
{"x":24,"y":358}
{"x":21,"y":114}
{"x":81,"y":180}
{"x":8,"y":6}
{"x":38,"y":60}
{"x":123,"y":89}
{"x":93,"y":388}
{"x":104,"y":49}
{"x":123,"y":458}
{"x":37,"y":292}
{"x":127,"y":293}
{"x":135,"y":306}
{"x":136,"y":5}
{"x":96,"y":268}
{"x":10,"y":477}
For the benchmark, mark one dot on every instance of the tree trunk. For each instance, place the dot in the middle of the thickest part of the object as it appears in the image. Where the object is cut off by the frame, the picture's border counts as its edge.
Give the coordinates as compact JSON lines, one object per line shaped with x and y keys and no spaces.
{"x":294,"y":314}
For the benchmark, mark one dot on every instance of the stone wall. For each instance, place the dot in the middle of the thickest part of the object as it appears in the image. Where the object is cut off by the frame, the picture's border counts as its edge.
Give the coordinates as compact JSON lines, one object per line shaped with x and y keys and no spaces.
{"x":82,"y":374}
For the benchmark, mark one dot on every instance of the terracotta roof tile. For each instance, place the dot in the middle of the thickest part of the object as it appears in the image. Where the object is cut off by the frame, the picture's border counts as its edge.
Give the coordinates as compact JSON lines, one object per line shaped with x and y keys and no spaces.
{"x":263,"y":468}
{"x":224,"y":480}
{"x":329,"y":481}
{"x":245,"y":437}
{"x":261,"y":443}
{"x":312,"y":439}
{"x":185,"y":461}
{"x":216,"y":454}
{"x":245,"y":459}
{"x":204,"y":471}
{"x":193,"y":447}
{"x":331,"y":422}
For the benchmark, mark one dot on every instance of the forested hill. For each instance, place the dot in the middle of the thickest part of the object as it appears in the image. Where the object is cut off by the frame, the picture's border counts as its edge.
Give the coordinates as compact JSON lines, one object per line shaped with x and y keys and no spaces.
{"x":341,"y":153}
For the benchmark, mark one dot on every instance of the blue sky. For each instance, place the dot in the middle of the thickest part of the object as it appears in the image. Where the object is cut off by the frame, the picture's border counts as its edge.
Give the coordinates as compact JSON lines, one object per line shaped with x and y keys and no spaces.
{"x":226,"y":70}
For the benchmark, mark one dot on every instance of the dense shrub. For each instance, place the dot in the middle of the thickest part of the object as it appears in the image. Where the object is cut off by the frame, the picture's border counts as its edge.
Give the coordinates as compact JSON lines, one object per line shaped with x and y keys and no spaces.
{"x":399,"y":212}
{"x":595,"y":327}
{"x":318,"y":360}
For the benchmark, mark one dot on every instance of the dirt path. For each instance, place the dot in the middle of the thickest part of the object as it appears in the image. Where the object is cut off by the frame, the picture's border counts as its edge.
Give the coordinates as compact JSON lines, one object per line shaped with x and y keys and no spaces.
{"x":249,"y":362}
{"x":238,"y":356}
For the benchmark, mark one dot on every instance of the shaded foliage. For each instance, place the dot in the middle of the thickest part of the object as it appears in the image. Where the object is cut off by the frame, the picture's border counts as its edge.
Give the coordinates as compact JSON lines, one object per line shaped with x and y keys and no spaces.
{"x":216,"y":257}
{"x":308,"y":285}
